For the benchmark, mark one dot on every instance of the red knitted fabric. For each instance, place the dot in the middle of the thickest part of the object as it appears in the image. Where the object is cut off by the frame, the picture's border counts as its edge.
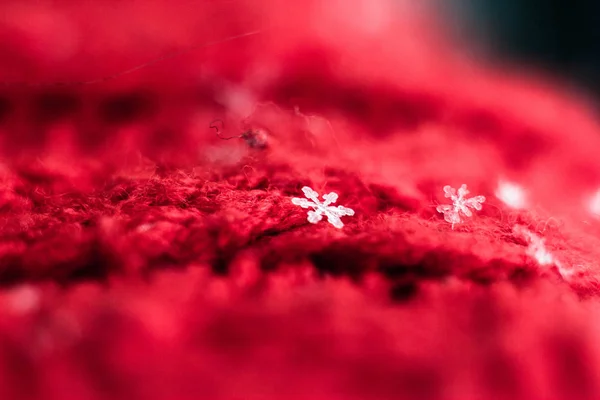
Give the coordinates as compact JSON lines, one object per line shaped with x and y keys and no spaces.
{"x":142,"y":257}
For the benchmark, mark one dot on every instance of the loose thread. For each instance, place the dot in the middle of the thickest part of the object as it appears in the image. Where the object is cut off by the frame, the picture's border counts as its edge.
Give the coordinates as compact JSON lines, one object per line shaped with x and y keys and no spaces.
{"x":167,"y":56}
{"x":255,"y":138}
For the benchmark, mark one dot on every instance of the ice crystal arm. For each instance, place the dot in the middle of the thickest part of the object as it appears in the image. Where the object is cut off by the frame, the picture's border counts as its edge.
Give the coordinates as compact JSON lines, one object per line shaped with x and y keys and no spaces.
{"x":304,"y":203}
{"x":475,"y":202}
{"x":310,"y":194}
{"x":344,"y":211}
{"x":463,"y":191}
{"x":449,"y":191}
{"x":314,"y":217}
{"x":335,"y":221}
{"x":465,"y":210}
{"x":330,"y":198}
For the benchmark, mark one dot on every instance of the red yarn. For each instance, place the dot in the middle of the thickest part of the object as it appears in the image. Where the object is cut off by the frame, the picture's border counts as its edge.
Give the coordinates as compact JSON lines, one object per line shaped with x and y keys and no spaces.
{"x":141,"y":257}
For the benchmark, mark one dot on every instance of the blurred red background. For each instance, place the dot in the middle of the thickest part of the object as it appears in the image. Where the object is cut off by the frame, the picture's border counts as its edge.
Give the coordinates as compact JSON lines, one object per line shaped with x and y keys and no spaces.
{"x":143,"y":257}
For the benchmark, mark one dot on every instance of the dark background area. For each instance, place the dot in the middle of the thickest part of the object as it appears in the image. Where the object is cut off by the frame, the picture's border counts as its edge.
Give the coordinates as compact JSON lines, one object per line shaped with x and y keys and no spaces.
{"x":560,"y":36}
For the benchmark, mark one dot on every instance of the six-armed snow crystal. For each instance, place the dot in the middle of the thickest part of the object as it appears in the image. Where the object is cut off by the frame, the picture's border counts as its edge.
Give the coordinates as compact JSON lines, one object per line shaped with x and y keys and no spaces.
{"x":319,"y":209}
{"x":459,"y":204}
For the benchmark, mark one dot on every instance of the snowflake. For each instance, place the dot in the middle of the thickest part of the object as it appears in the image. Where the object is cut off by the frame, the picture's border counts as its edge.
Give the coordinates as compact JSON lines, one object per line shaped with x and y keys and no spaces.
{"x":459,"y":204}
{"x":319,"y":209}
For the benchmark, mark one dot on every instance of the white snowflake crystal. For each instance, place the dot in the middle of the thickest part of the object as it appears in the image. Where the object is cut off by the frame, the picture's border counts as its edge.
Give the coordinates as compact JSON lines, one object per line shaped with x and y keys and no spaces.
{"x":319,"y":209}
{"x":459,"y":204}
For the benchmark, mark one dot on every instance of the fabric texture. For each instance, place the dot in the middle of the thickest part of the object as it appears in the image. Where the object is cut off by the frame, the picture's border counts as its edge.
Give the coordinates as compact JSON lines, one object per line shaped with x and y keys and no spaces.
{"x":144,"y":257}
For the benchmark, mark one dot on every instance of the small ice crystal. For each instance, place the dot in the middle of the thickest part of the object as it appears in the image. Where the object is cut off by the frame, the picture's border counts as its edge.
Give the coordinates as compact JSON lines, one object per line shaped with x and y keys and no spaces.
{"x":319,"y":209}
{"x":459,"y":204}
